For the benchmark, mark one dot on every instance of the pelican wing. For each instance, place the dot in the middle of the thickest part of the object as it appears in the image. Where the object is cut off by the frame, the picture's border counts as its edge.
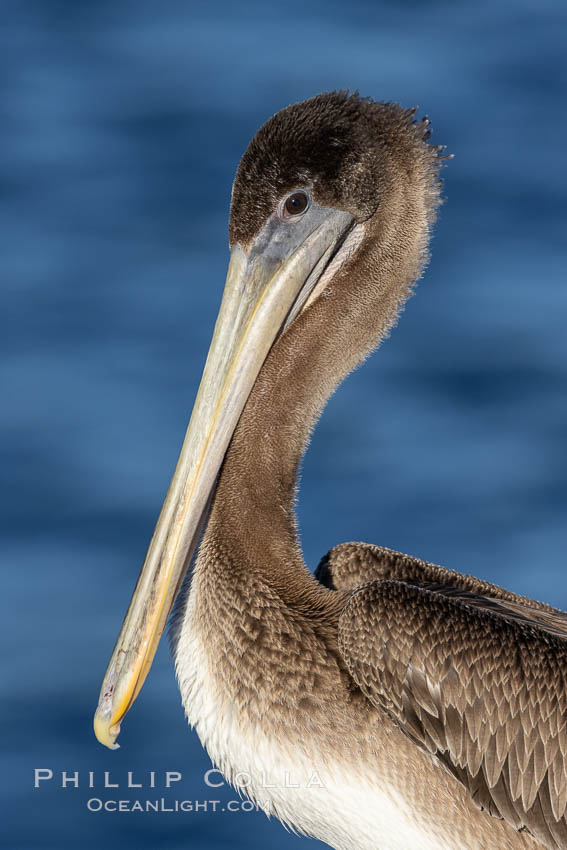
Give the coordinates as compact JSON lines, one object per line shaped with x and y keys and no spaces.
{"x":349,"y":565}
{"x":479,"y":683}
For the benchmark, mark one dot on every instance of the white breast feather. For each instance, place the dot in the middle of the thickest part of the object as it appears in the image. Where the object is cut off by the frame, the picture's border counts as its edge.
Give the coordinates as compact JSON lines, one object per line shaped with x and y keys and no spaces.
{"x":345,"y":810}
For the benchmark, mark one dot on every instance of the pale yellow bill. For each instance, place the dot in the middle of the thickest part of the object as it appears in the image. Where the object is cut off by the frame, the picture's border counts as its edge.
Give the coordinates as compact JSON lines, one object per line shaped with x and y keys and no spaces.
{"x":262,"y":287}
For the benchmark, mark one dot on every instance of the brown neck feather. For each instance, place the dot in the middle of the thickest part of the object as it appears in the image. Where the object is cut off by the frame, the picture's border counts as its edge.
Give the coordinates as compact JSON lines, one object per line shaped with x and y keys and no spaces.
{"x":253,"y":519}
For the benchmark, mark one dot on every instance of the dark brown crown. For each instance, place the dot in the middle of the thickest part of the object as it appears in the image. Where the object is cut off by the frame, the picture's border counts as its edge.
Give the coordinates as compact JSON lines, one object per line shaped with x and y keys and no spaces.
{"x":349,"y":150}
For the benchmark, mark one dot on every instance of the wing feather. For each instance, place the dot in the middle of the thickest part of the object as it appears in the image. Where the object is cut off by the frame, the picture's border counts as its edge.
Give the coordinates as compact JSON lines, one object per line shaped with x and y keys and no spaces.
{"x":349,"y":565}
{"x":480,"y":685}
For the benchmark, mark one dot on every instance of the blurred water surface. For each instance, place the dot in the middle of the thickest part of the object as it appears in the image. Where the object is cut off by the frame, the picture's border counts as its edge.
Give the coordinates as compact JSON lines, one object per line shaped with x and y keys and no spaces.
{"x":122,"y":125}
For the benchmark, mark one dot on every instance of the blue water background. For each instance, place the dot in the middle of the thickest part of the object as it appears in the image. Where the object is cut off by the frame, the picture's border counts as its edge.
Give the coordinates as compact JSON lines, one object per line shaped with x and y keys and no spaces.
{"x":122,"y":125}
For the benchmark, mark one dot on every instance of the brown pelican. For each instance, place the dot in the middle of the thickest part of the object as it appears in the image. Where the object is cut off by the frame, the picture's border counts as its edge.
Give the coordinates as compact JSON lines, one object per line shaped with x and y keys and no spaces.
{"x":384,"y":702}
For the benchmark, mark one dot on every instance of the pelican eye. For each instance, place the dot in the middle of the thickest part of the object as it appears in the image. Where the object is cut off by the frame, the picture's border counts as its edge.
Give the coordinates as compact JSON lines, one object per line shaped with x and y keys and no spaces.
{"x":295,"y":204}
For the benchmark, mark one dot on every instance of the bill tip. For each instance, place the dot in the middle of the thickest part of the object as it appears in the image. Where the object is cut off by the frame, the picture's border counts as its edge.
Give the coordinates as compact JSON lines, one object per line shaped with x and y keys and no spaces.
{"x":105,"y":731}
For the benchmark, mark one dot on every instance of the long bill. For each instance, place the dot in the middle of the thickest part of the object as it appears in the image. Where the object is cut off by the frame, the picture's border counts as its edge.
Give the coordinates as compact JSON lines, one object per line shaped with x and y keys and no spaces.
{"x":265,"y":288}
